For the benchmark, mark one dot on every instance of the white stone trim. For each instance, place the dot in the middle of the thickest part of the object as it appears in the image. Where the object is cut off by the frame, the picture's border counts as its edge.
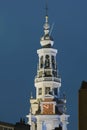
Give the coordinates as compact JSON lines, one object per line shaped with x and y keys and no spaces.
{"x":46,"y":51}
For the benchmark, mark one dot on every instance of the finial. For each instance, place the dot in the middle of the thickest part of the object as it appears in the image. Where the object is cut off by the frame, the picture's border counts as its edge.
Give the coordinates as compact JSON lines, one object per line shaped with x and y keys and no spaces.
{"x":46,"y":25}
{"x":46,"y":39}
{"x":46,"y":16}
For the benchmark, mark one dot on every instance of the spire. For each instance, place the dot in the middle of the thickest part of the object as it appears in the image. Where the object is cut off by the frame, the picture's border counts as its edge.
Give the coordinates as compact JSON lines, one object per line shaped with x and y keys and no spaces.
{"x":46,"y":25}
{"x":46,"y":8}
{"x":46,"y":39}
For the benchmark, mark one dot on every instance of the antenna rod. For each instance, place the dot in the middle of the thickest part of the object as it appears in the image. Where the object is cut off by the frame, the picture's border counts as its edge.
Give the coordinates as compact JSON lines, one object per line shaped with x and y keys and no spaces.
{"x":46,"y":8}
{"x":51,"y":29}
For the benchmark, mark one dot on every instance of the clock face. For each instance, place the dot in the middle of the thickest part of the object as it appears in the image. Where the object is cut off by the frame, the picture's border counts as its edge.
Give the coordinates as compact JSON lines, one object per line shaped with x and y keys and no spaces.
{"x":47,"y":108}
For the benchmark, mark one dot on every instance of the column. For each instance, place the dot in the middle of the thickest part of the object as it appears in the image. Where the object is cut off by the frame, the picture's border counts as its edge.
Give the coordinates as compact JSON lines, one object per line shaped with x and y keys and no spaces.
{"x":39,"y":125}
{"x":64,"y":126}
{"x":64,"y":121}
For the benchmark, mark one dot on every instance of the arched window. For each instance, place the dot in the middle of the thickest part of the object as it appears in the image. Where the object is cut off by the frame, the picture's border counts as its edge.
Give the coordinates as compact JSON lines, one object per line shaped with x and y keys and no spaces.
{"x":47,"y":61}
{"x":53,"y":62}
{"x":40,"y":91}
{"x":54,"y":73}
{"x":47,"y":90}
{"x":58,"y":128}
{"x":56,"y":91}
{"x":41,"y":62}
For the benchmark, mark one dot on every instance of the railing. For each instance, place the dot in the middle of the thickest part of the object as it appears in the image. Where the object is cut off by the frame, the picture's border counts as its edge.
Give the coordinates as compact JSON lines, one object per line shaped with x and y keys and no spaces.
{"x":47,"y":79}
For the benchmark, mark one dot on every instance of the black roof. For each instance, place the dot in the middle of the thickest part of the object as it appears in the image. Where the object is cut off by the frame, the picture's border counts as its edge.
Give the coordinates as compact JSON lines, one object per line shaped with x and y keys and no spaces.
{"x":84,"y":85}
{"x":6,"y":124}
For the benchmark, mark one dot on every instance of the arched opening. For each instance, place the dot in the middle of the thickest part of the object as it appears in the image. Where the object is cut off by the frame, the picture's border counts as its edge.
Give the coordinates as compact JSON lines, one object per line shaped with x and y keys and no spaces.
{"x":41,"y":62}
{"x":58,"y":128}
{"x":47,"y":61}
{"x":53,"y":62}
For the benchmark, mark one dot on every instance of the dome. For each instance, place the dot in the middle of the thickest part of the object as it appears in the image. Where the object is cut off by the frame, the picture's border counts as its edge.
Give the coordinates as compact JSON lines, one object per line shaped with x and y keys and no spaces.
{"x":47,"y":37}
{"x":46,"y":40}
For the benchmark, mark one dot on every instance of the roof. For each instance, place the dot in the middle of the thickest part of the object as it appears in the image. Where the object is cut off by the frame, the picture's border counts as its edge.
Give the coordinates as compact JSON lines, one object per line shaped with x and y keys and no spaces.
{"x":6,"y":124}
{"x":84,"y":85}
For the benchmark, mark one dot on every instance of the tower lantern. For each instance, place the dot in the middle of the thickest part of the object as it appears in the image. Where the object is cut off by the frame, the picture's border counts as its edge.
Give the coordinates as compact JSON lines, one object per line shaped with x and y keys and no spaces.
{"x":47,"y":111}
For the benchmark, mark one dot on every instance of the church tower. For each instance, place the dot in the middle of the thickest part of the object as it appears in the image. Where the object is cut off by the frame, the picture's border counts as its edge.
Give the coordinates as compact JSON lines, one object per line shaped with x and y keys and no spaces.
{"x":48,"y":109}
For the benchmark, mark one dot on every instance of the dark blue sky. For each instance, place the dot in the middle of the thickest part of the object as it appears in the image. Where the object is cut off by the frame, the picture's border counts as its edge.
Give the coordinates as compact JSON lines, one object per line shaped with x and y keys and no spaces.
{"x":21,"y":26}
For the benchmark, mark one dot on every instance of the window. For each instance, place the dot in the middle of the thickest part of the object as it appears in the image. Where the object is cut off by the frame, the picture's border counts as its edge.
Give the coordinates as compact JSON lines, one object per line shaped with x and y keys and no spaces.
{"x":41,"y":62}
{"x":53,"y":62}
{"x":47,"y":90}
{"x":55,"y":91}
{"x":5,"y":128}
{"x":40,"y":91}
{"x":54,"y":73}
{"x":47,"y":61}
{"x":40,"y":73}
{"x":9,"y":129}
{"x":48,"y":73}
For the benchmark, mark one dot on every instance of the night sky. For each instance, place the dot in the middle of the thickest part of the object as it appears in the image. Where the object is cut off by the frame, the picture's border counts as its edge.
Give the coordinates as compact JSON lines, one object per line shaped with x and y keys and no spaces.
{"x":21,"y":26}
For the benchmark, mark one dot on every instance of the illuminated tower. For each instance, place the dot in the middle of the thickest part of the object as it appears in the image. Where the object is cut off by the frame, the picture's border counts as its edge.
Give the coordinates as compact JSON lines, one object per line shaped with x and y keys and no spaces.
{"x":48,"y":110}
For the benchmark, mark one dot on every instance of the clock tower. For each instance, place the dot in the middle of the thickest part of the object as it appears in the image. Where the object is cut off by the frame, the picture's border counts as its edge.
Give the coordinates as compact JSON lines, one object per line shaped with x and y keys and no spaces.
{"x":48,"y":109}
